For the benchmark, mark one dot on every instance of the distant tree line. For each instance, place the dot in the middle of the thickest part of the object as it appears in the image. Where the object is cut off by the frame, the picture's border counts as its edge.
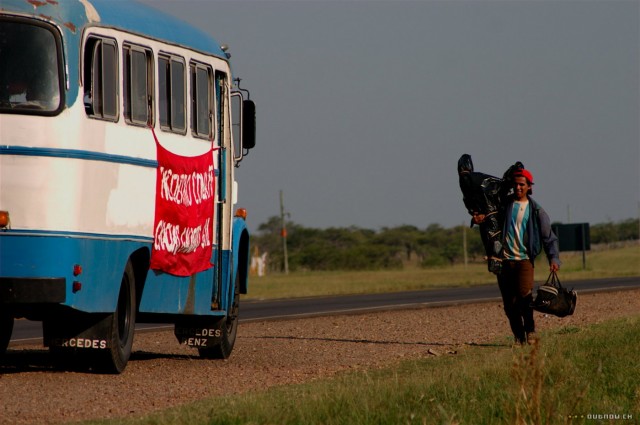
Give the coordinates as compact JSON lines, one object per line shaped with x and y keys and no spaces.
{"x":355,"y":248}
{"x":626,"y":230}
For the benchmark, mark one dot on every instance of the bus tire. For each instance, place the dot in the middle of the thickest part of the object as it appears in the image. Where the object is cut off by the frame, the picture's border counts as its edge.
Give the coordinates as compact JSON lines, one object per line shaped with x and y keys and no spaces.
{"x":228,"y":328}
{"x":121,"y":328}
{"x":6,"y":329}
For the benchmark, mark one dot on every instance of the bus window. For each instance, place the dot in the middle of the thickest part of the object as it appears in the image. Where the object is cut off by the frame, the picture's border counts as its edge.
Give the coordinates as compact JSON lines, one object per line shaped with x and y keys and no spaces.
{"x":171,"y":82}
{"x":138,"y":85}
{"x":101,"y":78}
{"x":163,"y":89}
{"x":30,"y":78}
{"x":201,"y":95}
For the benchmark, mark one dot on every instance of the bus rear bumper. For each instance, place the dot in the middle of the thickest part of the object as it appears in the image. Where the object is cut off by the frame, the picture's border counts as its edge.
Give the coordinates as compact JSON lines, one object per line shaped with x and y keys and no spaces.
{"x":30,"y":290}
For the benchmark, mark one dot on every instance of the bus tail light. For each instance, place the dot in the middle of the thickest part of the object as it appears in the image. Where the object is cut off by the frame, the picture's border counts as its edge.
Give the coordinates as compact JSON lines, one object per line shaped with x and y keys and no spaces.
{"x":77,"y":271}
{"x":5,"y":222}
{"x":242,"y":213}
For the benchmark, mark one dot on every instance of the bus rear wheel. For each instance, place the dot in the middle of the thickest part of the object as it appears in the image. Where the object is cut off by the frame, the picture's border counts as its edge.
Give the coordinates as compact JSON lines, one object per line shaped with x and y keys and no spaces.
{"x":121,"y":327}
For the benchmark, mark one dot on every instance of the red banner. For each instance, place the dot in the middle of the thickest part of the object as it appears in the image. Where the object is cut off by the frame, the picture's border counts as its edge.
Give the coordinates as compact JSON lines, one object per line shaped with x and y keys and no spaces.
{"x":183,"y":227}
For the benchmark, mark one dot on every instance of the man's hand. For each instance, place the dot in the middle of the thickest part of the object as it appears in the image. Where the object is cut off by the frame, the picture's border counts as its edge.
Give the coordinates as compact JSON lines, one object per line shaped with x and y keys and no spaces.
{"x":477,"y":218}
{"x":554,"y":267}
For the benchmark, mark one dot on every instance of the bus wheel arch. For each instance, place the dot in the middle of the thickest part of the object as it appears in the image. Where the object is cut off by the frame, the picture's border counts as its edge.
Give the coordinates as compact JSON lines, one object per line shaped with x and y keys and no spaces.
{"x":121,"y":326}
{"x":140,"y":260}
{"x":243,"y":261}
{"x":6,"y":329}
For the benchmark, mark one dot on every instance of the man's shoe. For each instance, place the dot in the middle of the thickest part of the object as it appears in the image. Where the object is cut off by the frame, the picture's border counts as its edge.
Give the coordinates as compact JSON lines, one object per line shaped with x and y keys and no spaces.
{"x":519,"y":341}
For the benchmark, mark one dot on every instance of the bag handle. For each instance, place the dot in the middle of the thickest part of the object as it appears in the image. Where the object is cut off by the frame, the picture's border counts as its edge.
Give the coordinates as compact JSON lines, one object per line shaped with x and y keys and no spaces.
{"x":554,"y":280}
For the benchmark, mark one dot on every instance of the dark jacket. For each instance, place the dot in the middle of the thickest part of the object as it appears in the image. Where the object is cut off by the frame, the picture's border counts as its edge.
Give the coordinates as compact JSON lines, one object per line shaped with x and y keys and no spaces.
{"x":539,"y":235}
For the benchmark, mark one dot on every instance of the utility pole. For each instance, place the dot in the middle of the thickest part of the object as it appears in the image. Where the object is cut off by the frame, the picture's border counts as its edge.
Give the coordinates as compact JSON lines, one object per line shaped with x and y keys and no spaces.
{"x":283,"y":233}
{"x":464,"y":243}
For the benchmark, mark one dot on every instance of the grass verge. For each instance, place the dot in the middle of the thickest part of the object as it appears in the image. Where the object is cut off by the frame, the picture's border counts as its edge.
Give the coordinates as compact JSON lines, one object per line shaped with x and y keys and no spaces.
{"x":574,"y":375}
{"x":617,"y":262}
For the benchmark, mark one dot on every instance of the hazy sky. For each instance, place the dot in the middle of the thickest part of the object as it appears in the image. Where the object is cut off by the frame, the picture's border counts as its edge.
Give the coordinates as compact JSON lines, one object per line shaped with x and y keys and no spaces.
{"x":364,"y":107}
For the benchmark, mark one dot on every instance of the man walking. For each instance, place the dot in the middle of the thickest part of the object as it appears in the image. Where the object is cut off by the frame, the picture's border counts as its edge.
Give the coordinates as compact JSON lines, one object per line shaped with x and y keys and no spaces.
{"x":526,"y":232}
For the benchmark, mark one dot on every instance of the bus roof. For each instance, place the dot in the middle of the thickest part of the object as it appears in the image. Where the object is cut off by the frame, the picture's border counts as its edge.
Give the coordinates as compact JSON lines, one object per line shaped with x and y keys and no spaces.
{"x":74,"y":15}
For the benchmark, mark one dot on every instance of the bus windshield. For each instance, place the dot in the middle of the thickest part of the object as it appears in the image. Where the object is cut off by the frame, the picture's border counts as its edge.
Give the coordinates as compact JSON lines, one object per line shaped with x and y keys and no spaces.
{"x":29,"y":70}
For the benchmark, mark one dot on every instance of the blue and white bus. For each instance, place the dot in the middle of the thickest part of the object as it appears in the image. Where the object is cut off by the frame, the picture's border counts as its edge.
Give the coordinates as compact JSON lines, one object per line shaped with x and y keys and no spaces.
{"x":90,"y":92}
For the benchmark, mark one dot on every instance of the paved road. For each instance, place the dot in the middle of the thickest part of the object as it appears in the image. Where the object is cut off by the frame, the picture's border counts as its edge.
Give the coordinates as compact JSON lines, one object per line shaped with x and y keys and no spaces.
{"x":316,"y":306}
{"x":28,"y":331}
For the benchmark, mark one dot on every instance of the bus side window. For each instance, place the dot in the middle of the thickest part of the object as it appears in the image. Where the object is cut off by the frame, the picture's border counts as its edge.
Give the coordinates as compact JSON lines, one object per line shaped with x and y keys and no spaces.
{"x":172,"y":87}
{"x":138,"y":85}
{"x":201,"y":100}
{"x":101,"y":78}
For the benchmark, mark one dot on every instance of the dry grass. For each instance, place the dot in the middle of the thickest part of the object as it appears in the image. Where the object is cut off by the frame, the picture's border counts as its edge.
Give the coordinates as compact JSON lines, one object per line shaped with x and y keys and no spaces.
{"x":615,"y":262}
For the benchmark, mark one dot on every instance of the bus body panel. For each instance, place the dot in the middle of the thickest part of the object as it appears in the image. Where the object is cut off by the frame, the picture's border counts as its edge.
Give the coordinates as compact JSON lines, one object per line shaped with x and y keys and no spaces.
{"x":41,"y":255}
{"x":166,"y":294}
{"x":51,"y":192}
{"x":101,"y":263}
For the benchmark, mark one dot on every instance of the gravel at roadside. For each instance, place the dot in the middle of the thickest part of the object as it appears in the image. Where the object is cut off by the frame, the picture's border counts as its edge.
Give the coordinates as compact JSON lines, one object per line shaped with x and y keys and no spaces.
{"x":163,"y":374}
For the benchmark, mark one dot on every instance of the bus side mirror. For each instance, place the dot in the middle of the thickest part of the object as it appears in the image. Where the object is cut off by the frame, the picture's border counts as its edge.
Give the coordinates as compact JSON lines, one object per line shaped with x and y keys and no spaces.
{"x":248,"y":124}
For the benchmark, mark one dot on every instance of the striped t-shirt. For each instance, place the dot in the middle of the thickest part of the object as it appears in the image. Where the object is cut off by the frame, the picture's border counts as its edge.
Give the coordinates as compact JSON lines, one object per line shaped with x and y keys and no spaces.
{"x":514,"y":248}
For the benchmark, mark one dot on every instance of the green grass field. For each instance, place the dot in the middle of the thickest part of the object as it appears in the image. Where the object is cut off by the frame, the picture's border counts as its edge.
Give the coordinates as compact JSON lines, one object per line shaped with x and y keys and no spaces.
{"x":602,"y":263}
{"x":574,"y":375}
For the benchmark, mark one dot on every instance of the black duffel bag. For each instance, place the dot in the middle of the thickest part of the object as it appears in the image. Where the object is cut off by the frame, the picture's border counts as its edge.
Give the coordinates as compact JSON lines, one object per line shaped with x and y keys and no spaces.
{"x":553,"y":298}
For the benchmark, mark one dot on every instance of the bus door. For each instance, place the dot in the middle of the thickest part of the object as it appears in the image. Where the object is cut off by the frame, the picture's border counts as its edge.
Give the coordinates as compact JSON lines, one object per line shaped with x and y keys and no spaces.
{"x":220,"y":93}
